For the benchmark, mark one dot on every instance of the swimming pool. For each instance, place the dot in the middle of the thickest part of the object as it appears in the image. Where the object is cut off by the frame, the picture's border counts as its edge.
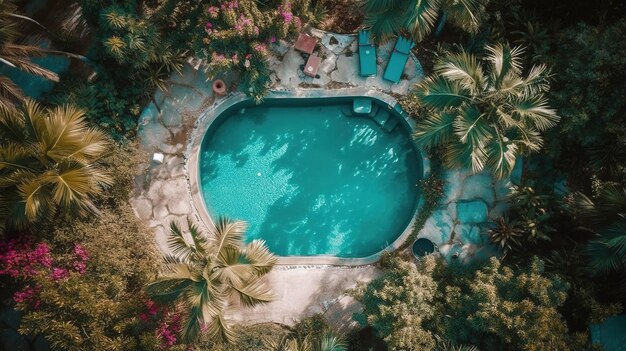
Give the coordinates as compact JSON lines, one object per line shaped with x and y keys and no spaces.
{"x":310,"y":176}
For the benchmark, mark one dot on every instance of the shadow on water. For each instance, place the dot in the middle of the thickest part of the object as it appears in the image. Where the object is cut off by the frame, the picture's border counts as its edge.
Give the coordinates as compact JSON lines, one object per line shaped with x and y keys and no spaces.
{"x":352,"y":186}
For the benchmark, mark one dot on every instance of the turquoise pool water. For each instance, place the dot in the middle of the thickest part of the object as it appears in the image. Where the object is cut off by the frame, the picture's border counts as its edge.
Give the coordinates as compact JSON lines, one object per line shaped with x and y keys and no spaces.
{"x":310,"y":180}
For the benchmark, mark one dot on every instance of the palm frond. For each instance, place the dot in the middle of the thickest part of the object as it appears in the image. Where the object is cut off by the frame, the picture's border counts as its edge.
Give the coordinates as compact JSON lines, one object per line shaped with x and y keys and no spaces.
{"x":167,"y":290}
{"x":253,"y":293}
{"x":228,"y":233}
{"x":505,"y":62}
{"x":178,"y":245}
{"x":420,"y":17}
{"x":383,"y":25}
{"x":260,"y":257}
{"x":464,"y":69}
{"x":435,"y":130}
{"x":24,"y":64}
{"x":440,"y":93}
{"x":465,"y":14}
{"x":535,"y":111}
{"x":332,"y":342}
{"x":471,"y":127}
{"x":501,"y":157}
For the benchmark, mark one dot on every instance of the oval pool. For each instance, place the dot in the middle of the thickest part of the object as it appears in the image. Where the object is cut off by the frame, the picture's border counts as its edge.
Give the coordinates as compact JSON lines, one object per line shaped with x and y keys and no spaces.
{"x":310,"y":176}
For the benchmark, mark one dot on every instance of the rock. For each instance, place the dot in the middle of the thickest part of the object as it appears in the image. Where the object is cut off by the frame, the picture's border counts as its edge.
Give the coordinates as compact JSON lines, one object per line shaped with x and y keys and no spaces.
{"x":149,"y":114}
{"x":438,"y":227}
{"x":287,"y":71}
{"x":186,"y":76}
{"x":160,"y":211}
{"x":470,"y":234}
{"x":176,"y":165}
{"x":143,"y":208}
{"x":153,"y":134}
{"x":479,"y":187}
{"x":452,"y":186}
{"x":471,"y":211}
{"x":170,"y":114}
{"x":179,"y":206}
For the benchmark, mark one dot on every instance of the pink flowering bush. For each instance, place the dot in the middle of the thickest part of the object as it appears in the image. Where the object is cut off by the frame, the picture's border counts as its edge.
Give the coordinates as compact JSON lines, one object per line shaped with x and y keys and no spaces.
{"x":239,"y":34}
{"x":24,"y":261}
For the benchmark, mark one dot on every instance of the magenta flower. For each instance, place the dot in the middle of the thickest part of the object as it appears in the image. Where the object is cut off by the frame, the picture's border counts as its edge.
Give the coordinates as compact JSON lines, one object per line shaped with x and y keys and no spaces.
{"x":59,"y":273}
{"x":272,"y":39}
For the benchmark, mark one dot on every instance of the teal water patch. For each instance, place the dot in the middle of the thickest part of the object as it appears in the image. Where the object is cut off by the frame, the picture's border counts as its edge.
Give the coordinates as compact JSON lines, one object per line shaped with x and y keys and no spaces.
{"x":309,"y":180}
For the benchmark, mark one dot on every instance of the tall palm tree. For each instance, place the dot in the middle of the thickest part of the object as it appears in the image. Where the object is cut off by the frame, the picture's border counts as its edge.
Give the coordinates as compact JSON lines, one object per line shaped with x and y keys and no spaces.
{"x":418,"y":17}
{"x":328,"y":341}
{"x":206,"y":273}
{"x":17,"y":55}
{"x":49,"y":159}
{"x":484,"y":115}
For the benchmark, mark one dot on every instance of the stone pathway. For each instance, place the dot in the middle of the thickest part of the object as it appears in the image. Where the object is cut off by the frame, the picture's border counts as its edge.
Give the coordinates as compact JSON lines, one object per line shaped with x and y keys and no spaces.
{"x":470,"y":204}
{"x":164,"y":195}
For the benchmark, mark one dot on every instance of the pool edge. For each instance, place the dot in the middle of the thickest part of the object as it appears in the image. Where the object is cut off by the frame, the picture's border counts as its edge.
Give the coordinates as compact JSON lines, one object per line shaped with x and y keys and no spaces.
{"x":208,"y":117}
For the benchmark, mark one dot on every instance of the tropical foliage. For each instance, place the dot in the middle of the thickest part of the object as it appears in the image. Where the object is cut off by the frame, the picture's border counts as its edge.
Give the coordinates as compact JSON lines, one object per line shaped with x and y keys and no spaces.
{"x":411,"y":305}
{"x":418,"y":17}
{"x":399,"y":304}
{"x":484,"y":116}
{"x":81,"y":287}
{"x":239,"y":34}
{"x":16,"y":55}
{"x":606,"y":217}
{"x":49,"y":160}
{"x":204,"y":274}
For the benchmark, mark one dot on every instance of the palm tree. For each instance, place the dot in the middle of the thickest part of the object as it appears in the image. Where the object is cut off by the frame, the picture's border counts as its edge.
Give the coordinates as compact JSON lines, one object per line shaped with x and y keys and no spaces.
{"x":328,"y":341}
{"x":205,"y":273}
{"x":418,"y":17}
{"x":606,"y":216}
{"x":49,"y":159}
{"x":484,"y":115}
{"x":16,"y":55}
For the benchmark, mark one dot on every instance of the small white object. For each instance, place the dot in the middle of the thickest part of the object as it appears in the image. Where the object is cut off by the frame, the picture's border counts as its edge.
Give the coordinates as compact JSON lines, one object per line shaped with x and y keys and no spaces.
{"x":158,"y":157}
{"x":310,"y":68}
{"x":246,"y":63}
{"x":367,"y":52}
{"x":259,"y":174}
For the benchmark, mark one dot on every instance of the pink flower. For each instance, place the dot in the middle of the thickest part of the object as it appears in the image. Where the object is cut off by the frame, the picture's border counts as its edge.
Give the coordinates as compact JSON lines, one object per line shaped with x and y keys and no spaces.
{"x":80,"y":252}
{"x":80,"y":266}
{"x":248,"y":56}
{"x":273,"y":39}
{"x":59,"y":273}
{"x":27,"y":295}
{"x":209,"y":25}
{"x":260,"y":48}
{"x":287,"y":16}
{"x":213,"y":12}
{"x":143,"y":317}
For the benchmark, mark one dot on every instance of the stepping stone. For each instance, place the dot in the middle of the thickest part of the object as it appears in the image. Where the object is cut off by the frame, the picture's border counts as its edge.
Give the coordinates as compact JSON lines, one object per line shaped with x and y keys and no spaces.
{"x":391,"y":124}
{"x":471,"y":211}
{"x":381,"y":117}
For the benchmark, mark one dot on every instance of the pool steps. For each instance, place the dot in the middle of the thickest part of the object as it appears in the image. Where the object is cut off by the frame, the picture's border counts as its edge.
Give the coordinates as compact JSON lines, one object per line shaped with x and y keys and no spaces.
{"x":363,"y":107}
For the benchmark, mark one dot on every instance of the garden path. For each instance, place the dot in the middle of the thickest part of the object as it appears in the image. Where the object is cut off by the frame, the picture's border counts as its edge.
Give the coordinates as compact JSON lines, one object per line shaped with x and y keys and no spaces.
{"x":163,"y":193}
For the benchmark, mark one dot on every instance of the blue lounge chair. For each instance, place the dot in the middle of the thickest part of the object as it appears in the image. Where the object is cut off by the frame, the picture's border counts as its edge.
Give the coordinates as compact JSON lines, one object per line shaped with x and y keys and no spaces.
{"x":398,"y":59}
{"x":367,"y":54}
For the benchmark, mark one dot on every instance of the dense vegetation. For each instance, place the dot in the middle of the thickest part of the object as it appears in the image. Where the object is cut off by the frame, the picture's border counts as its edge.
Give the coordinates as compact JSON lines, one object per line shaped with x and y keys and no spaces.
{"x":506,"y":78}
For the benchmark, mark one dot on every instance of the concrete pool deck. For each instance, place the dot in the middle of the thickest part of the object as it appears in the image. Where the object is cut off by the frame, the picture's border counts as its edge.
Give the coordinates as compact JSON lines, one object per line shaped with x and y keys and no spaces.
{"x":163,"y":192}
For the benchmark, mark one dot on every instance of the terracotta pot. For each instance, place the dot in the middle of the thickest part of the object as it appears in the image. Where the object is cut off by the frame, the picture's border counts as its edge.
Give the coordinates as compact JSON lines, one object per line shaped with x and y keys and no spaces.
{"x":219,"y":87}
